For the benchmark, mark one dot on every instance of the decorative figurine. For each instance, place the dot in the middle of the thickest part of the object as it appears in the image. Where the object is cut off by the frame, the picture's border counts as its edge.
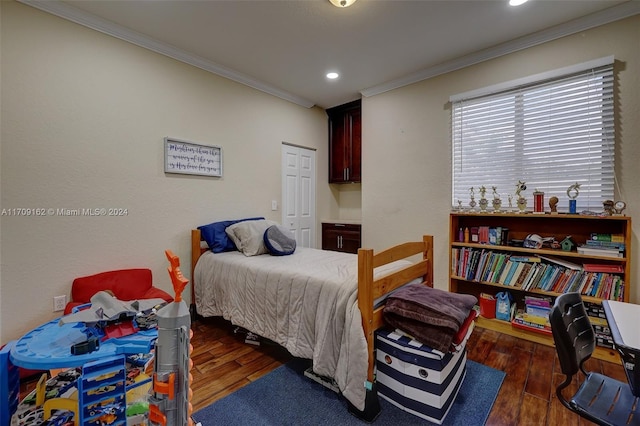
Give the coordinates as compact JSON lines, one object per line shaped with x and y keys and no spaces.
{"x":522,"y":202}
{"x":472,"y":203}
{"x":607,"y":205}
{"x":460,"y":206}
{"x":510,"y":198}
{"x":497,"y":202}
{"x":553,"y":204}
{"x":619,"y":207}
{"x":567,"y":244}
{"x":572,"y":197}
{"x":483,"y":200}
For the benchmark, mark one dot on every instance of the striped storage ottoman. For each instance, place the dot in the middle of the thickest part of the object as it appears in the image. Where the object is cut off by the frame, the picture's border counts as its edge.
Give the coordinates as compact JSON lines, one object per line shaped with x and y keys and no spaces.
{"x":417,"y":378}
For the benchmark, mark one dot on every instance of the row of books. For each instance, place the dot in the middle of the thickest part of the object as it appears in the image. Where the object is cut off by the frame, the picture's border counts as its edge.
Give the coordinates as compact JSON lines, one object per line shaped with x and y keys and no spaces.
{"x":598,"y":320}
{"x":536,"y":272}
{"x":486,"y":235}
{"x":535,"y":316}
{"x":608,"y":245}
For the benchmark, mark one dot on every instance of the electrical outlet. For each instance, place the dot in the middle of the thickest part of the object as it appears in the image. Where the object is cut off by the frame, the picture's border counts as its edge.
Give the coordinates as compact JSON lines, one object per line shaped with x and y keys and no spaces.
{"x":59,"y":302}
{"x":274,"y":205}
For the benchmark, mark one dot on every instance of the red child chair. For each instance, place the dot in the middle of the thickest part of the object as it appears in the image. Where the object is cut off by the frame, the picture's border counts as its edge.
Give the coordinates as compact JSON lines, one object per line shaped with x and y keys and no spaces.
{"x":125,"y":284}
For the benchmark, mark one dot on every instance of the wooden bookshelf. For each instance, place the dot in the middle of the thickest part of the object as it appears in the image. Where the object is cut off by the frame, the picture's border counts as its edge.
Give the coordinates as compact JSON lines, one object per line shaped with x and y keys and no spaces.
{"x":519,"y":226}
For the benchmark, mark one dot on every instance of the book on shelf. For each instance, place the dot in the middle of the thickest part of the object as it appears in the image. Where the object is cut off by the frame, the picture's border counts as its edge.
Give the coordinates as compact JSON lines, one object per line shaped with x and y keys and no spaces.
{"x":512,"y":271}
{"x":524,"y":274}
{"x":519,"y":322}
{"x":532,"y":259}
{"x":603,"y":267}
{"x":505,"y":271}
{"x":535,"y":319}
{"x":562,"y":262}
{"x":616,"y":238}
{"x":494,"y":236}
{"x":483,"y":234}
{"x":526,"y":267}
{"x":541,"y":301}
{"x":599,"y":251}
{"x":475,"y":234}
{"x":606,"y":244}
{"x":499,"y":266}
{"x":530,"y":276}
{"x":535,"y":281}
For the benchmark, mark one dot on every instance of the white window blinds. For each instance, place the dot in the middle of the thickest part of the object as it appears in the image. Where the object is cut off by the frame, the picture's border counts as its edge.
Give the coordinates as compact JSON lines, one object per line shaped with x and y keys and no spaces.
{"x":549,"y":134}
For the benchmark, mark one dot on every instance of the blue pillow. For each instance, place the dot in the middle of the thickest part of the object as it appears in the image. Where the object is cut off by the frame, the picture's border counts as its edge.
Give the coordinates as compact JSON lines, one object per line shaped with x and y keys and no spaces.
{"x":216,"y":237}
{"x":279,"y":240}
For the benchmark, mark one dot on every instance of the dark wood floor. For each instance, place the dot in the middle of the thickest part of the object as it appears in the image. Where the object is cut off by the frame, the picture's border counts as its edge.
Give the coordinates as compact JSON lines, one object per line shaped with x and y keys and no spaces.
{"x":223,"y":363}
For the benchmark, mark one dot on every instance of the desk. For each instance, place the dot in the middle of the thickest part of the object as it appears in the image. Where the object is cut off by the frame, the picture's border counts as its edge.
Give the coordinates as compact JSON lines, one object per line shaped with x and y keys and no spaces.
{"x":623,"y":319}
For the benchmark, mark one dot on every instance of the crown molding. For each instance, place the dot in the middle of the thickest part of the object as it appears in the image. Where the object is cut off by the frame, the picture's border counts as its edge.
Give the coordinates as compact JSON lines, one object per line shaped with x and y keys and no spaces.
{"x":625,"y":10}
{"x":63,"y":10}
{"x":73,"y":14}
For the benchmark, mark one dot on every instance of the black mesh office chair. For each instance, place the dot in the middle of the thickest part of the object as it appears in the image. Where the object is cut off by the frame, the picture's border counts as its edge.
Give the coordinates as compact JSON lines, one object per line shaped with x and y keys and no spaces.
{"x":600,"y":399}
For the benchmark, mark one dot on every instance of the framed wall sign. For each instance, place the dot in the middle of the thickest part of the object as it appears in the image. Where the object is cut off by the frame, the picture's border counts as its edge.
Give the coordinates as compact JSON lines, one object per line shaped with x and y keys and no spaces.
{"x":190,"y":158}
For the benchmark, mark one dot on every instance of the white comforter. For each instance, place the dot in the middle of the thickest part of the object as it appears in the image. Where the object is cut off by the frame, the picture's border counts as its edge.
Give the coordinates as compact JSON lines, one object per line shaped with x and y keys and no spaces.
{"x":306,"y":302}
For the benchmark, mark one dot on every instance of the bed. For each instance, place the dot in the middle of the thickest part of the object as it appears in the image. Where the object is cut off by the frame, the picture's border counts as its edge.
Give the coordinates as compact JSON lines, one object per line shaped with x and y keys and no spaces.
{"x":317,"y":304}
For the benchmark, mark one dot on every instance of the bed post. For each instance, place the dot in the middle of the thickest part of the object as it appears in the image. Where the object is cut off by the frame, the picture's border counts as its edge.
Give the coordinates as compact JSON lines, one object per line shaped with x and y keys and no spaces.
{"x":428,"y":256}
{"x":196,"y":252}
{"x":365,"y":303}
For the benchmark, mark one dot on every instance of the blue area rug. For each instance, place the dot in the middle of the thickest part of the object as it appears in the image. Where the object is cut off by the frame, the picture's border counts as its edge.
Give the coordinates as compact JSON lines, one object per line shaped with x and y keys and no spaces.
{"x":286,"y":397}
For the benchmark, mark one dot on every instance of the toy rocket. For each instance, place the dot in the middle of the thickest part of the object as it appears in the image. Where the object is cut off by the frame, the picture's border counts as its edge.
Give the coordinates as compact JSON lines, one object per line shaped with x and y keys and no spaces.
{"x":169,"y":404}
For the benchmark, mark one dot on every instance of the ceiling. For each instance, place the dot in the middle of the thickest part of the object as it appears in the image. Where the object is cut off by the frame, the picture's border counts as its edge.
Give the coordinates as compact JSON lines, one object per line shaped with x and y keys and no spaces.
{"x":286,"y":47}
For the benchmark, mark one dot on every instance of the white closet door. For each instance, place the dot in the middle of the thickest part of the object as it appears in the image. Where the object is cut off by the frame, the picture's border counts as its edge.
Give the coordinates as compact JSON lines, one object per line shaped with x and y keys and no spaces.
{"x":299,"y":193}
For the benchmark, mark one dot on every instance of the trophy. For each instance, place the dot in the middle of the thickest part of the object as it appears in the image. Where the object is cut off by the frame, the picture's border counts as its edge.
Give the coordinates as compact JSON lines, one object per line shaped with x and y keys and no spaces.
{"x":472,"y":203}
{"x":497,"y":202}
{"x":618,"y":208}
{"x":483,"y":200}
{"x":522,"y":202}
{"x":572,"y":193}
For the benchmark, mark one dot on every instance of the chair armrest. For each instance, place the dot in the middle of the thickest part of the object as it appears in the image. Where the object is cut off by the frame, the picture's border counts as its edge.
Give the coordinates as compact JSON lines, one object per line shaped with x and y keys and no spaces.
{"x":155,"y":292}
{"x":70,"y":306}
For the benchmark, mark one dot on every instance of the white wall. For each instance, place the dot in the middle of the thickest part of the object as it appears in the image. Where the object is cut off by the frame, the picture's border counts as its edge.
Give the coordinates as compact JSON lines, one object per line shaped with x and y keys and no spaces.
{"x":83,"y":121}
{"x":407,"y":151}
{"x":83,"y":116}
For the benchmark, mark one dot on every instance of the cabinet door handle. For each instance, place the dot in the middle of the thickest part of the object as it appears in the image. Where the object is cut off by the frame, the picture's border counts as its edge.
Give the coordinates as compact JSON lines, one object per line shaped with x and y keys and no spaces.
{"x":347,"y":174}
{"x":344,"y":174}
{"x":340,"y":241}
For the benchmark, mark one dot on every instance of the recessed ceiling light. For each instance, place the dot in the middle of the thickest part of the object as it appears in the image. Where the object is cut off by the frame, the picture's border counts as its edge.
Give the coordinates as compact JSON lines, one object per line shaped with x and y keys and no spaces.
{"x":332,"y":75}
{"x":342,"y":3}
{"x":516,"y":2}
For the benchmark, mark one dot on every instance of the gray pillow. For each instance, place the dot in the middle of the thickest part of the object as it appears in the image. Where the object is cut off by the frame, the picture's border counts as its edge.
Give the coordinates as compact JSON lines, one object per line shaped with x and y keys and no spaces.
{"x":279,"y":240}
{"x":248,"y":236}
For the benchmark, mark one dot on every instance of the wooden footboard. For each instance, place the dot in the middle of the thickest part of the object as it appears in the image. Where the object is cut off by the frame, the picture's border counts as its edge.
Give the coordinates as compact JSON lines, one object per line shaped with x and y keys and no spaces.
{"x":368,"y":288}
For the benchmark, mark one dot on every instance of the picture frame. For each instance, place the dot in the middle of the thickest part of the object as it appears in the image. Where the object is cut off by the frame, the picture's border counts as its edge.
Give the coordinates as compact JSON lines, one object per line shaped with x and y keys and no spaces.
{"x":189,"y":158}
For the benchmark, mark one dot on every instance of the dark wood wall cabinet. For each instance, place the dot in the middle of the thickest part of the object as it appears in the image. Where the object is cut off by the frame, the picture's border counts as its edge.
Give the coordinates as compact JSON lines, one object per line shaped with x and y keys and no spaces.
{"x":341,"y":237}
{"x":345,"y":142}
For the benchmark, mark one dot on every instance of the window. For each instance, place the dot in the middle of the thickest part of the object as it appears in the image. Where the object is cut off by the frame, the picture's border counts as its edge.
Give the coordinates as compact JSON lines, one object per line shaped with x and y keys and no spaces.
{"x":550,"y":131}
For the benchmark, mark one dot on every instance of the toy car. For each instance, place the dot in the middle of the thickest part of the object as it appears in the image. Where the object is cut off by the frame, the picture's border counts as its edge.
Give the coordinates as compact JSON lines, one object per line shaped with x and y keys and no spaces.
{"x":60,"y":418}
{"x":138,"y":407}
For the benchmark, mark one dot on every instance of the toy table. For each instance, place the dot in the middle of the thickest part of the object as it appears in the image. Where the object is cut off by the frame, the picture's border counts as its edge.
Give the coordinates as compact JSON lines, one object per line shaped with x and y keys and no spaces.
{"x":49,"y":346}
